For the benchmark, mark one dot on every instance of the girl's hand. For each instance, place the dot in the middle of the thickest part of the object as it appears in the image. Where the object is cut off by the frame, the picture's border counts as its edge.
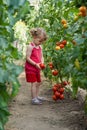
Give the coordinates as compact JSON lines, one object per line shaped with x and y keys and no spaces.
{"x":37,"y":65}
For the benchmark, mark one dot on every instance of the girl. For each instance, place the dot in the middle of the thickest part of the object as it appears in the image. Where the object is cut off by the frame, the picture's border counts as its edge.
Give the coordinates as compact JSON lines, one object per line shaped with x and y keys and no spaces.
{"x":34,"y":57}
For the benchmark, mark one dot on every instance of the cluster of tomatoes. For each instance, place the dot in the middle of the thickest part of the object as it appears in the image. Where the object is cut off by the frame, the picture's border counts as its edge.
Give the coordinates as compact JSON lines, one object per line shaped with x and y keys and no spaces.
{"x":58,"y":90}
{"x":60,"y":45}
{"x":54,"y":71}
{"x":64,"y":23}
{"x":82,"y":11}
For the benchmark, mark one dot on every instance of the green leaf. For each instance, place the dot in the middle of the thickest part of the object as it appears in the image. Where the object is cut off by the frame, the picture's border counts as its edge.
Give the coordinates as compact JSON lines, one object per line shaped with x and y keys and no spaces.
{"x":3,"y":43}
{"x":4,"y":115}
{"x":75,"y":90}
{"x":2,"y":102}
{"x":14,"y":2}
{"x":4,"y":93}
{"x":13,"y":69}
{"x":1,"y":126}
{"x":12,"y":20}
{"x":80,"y":40}
{"x":15,"y":89}
{"x":85,"y":34}
{"x":7,"y":2}
{"x":3,"y":75}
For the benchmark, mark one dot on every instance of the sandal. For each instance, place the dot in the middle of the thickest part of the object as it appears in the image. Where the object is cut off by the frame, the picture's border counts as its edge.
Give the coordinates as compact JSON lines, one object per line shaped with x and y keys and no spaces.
{"x":41,"y":98}
{"x":35,"y":101}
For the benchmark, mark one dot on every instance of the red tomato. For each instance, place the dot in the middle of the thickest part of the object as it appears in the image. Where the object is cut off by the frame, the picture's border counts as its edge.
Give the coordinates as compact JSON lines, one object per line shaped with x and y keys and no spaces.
{"x":51,"y":67}
{"x":65,"y":83}
{"x":61,"y":45}
{"x":55,"y":72}
{"x":61,"y":96}
{"x":57,"y":94}
{"x":50,"y":64}
{"x":54,"y":89}
{"x":61,"y":90}
{"x":42,"y":66}
{"x":64,"y":42}
{"x":54,"y":97}
{"x":56,"y":85}
{"x":59,"y":85}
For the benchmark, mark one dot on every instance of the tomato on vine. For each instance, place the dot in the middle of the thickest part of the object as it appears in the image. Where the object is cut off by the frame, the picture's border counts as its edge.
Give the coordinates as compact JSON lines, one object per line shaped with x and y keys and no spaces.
{"x":55,"y":72}
{"x":42,"y":65}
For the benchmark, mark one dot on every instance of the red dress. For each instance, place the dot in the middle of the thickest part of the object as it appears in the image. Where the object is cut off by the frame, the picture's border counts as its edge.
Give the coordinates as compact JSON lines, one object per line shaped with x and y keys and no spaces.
{"x":33,"y":73}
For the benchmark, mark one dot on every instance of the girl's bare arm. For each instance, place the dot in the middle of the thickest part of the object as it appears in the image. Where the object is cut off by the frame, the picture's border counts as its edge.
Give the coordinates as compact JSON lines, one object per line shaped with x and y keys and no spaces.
{"x":28,"y":54}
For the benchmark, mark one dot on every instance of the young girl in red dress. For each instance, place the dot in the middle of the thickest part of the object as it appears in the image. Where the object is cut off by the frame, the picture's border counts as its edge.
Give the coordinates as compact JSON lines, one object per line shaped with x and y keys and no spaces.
{"x":34,"y":56}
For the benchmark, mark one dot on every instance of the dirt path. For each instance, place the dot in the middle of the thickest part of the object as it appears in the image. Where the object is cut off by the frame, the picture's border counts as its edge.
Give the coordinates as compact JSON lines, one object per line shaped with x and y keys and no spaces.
{"x":61,"y":115}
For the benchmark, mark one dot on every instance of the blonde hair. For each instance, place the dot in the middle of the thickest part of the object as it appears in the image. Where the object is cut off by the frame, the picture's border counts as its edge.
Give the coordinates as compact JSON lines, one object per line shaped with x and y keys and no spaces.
{"x":38,"y":32}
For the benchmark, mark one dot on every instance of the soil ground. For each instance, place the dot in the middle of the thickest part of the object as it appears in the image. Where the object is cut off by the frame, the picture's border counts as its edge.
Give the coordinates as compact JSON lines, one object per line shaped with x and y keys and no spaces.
{"x":64,"y":114}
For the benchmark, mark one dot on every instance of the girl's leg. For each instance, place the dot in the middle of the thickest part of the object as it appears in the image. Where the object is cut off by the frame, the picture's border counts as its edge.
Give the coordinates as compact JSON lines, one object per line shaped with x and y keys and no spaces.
{"x":33,"y":90}
{"x":37,"y":92}
{"x":34,"y":94}
{"x":38,"y":83}
{"x":37,"y":89}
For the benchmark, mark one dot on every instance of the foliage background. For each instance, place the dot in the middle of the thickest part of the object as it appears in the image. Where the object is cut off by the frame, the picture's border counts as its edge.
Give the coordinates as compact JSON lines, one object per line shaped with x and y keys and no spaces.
{"x":10,"y":13}
{"x":71,"y":61}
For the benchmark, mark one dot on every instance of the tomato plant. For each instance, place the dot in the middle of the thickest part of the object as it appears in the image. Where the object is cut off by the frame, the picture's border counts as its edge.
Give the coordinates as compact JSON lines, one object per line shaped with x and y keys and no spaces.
{"x":9,"y":71}
{"x":67,"y":38}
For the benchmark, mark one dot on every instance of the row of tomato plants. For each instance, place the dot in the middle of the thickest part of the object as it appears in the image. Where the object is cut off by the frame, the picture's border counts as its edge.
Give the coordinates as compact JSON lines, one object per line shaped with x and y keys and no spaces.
{"x":10,"y":13}
{"x":66,"y":44}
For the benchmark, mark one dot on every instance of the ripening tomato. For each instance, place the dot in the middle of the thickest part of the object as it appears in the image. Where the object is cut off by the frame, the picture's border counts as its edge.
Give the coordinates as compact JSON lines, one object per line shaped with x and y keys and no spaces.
{"x":74,"y":42}
{"x":80,"y":14}
{"x":50,"y":64}
{"x":76,"y":18}
{"x":82,"y":9}
{"x":84,"y":14}
{"x":65,"y":83}
{"x":57,"y":94}
{"x":54,"y":97}
{"x":57,"y":48}
{"x":42,"y":66}
{"x":54,"y":89}
{"x":61,"y":90}
{"x":63,"y":21}
{"x":59,"y":85}
{"x":61,"y":96}
{"x":64,"y":42}
{"x":51,"y":67}
{"x":55,"y":72}
{"x":56,"y":85}
{"x":61,"y":45}
{"x":58,"y":43}
{"x":65,"y":25}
